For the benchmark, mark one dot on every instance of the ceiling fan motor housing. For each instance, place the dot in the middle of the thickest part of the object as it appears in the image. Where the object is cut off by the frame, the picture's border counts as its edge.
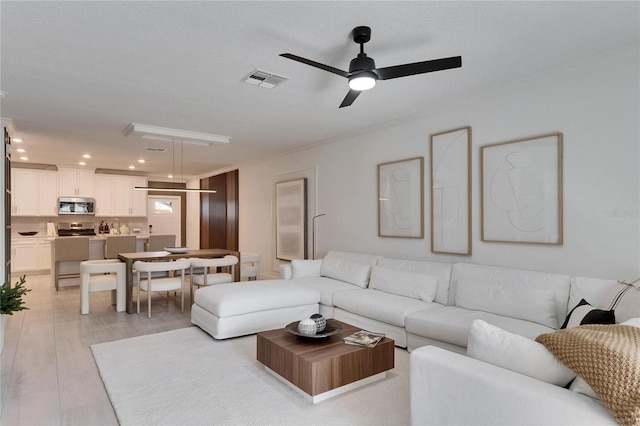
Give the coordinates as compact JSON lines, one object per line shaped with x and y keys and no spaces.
{"x":362,"y":63}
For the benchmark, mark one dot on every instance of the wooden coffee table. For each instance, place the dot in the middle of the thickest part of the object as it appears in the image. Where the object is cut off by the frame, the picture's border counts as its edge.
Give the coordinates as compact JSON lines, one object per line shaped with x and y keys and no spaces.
{"x":322,"y":368}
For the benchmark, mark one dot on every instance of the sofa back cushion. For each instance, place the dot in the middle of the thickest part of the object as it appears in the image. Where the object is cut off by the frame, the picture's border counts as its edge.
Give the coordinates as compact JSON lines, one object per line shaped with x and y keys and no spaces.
{"x":404,"y":283}
{"x":529,"y":304}
{"x":442,"y":271}
{"x":305,"y":268}
{"x":348,"y":271}
{"x":518,"y":279}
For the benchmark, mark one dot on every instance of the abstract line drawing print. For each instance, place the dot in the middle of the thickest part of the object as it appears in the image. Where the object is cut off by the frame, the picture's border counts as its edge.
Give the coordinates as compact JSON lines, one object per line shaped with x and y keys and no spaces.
{"x":397,"y":201}
{"x":450,"y":192}
{"x":400,"y":202}
{"x":522,"y":191}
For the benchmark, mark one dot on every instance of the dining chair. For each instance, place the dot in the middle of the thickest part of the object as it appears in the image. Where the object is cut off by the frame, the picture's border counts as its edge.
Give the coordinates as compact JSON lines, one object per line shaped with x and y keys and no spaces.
{"x":115,"y":244}
{"x":151,"y":284}
{"x":159,"y":242}
{"x":210,"y":275}
{"x":68,"y":249}
{"x":250,"y":266}
{"x":103,"y":275}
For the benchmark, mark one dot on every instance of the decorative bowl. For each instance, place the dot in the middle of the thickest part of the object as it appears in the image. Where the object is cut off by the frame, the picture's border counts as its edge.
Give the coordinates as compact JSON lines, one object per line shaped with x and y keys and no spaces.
{"x":320,"y":321}
{"x":28,"y":234}
{"x":333,"y":327}
{"x":176,"y":250}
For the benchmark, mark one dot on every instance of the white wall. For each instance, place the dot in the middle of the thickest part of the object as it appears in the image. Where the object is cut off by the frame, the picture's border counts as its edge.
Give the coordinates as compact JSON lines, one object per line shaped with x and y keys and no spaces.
{"x":595,"y":104}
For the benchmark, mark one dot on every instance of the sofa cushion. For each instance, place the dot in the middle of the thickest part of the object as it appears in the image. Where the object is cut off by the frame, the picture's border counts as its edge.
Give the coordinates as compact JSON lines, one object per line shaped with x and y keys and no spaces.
{"x":584,"y":313}
{"x":302,"y":268}
{"x":378,"y":305}
{"x":345,"y":270}
{"x":529,"y":304}
{"x":451,"y":324}
{"x":437,"y":269}
{"x":326,"y":286}
{"x":403,"y":283}
{"x":226,"y":300}
{"x":515,"y":278}
{"x":516,"y":353}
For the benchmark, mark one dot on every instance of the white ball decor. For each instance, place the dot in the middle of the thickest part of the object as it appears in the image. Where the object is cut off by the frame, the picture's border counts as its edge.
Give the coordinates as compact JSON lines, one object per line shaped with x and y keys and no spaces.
{"x":307,"y":327}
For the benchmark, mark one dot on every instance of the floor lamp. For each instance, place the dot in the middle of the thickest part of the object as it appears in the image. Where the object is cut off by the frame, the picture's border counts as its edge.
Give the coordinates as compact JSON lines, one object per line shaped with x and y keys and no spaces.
{"x":313,"y":235}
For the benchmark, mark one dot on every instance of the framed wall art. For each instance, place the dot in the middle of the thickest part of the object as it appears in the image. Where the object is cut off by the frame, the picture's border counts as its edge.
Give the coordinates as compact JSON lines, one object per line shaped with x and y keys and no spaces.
{"x":401,"y":199}
{"x":521,"y":190}
{"x":451,"y":191}
{"x":291,"y":219}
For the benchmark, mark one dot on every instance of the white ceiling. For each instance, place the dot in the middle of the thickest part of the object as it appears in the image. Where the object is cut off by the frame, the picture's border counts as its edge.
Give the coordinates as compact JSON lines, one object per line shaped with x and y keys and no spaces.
{"x":77,"y":73}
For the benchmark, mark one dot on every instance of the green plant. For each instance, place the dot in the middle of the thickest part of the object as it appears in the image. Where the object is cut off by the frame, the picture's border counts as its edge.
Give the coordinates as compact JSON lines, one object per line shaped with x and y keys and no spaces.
{"x":11,"y":297}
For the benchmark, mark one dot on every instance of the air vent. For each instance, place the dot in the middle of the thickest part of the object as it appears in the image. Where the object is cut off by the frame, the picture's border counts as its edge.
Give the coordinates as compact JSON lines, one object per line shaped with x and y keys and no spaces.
{"x":264,"y":79}
{"x":157,"y":149}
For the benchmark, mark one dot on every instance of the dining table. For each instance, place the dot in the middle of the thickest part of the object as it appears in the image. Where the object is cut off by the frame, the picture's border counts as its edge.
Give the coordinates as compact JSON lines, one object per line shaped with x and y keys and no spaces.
{"x":149,"y":256}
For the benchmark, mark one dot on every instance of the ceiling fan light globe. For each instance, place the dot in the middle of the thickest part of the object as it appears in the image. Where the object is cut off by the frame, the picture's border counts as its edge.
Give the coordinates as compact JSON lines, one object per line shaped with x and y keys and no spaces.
{"x":361,"y":83}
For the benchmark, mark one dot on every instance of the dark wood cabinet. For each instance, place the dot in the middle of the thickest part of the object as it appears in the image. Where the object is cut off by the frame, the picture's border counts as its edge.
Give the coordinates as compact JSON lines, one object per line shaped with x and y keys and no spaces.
{"x":219,"y":212}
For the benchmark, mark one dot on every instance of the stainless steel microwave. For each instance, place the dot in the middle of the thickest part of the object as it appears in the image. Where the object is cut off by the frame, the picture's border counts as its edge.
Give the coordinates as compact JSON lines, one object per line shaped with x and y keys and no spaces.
{"x":76,"y":205}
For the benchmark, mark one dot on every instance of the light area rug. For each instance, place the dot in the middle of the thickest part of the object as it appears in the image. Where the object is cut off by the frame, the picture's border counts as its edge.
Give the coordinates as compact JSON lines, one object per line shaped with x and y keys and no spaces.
{"x":185,"y":377}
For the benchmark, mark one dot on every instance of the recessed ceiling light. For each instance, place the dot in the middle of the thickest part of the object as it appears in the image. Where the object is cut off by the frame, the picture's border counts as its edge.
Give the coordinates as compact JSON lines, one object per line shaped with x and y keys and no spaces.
{"x":24,"y":158}
{"x":170,"y":176}
{"x":17,"y":140}
{"x":132,"y":167}
{"x":21,"y":150}
{"x":82,"y":163}
{"x":141,"y":160}
{"x":86,"y":156}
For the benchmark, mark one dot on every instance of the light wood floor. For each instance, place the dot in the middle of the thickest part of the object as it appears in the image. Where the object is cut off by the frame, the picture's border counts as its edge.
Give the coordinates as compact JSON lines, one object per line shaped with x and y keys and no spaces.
{"x":48,"y":375}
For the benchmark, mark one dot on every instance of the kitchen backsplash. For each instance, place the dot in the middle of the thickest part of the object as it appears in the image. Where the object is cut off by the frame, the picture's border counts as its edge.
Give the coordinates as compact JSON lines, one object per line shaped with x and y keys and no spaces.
{"x":25,"y":224}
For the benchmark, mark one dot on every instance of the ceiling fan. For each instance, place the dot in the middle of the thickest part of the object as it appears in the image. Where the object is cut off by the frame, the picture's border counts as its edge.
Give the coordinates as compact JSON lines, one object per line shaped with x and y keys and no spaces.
{"x":363,"y":73}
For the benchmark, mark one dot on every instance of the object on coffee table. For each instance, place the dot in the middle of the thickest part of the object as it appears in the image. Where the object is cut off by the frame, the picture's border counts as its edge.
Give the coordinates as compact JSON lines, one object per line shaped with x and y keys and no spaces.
{"x":321,"y":322}
{"x":307,"y":327}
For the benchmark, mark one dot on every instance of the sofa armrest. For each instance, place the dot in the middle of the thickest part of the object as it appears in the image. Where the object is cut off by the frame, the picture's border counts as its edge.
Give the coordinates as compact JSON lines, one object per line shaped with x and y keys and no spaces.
{"x":285,"y":271}
{"x":450,"y":388}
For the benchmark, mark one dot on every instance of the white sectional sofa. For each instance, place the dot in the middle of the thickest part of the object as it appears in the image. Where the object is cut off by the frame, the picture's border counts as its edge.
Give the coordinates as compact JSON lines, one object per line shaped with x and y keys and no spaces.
{"x":422,"y":304}
{"x":528,"y":303}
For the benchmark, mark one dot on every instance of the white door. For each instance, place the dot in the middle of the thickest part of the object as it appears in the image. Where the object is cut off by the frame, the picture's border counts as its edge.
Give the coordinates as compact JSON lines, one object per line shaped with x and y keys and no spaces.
{"x":164,"y":215}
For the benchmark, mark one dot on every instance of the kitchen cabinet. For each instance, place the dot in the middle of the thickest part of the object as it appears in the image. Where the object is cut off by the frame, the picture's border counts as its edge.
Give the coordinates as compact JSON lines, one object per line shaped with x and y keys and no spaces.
{"x":75,"y":182}
{"x":43,"y":254}
{"x":23,"y":254}
{"x":34,"y":192}
{"x":30,"y":254}
{"x":116,"y":197}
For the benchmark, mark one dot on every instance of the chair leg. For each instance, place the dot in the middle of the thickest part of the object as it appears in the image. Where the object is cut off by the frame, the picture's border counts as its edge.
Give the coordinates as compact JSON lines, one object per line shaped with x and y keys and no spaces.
{"x":56,"y":269}
{"x":182,"y":292}
{"x":148,"y":294}
{"x":138,"y":276}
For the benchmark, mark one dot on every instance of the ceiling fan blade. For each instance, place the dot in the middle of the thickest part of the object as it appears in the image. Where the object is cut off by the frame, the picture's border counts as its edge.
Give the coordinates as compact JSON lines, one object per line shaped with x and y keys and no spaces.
{"x":315,"y":64}
{"x":351,"y":96}
{"x":418,"y":67}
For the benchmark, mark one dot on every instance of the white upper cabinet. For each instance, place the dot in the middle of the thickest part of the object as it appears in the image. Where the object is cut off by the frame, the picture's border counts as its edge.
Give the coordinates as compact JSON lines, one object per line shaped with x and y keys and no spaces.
{"x":75,"y":182}
{"x":116,"y":197}
{"x":34,"y":192}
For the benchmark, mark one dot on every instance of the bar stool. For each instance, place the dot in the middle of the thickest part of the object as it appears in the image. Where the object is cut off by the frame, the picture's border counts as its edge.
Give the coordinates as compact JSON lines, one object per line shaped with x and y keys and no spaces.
{"x":102,"y":275}
{"x":115,"y":244}
{"x":159,"y":242}
{"x":211,"y":278}
{"x":68,"y":249}
{"x":249,"y":266}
